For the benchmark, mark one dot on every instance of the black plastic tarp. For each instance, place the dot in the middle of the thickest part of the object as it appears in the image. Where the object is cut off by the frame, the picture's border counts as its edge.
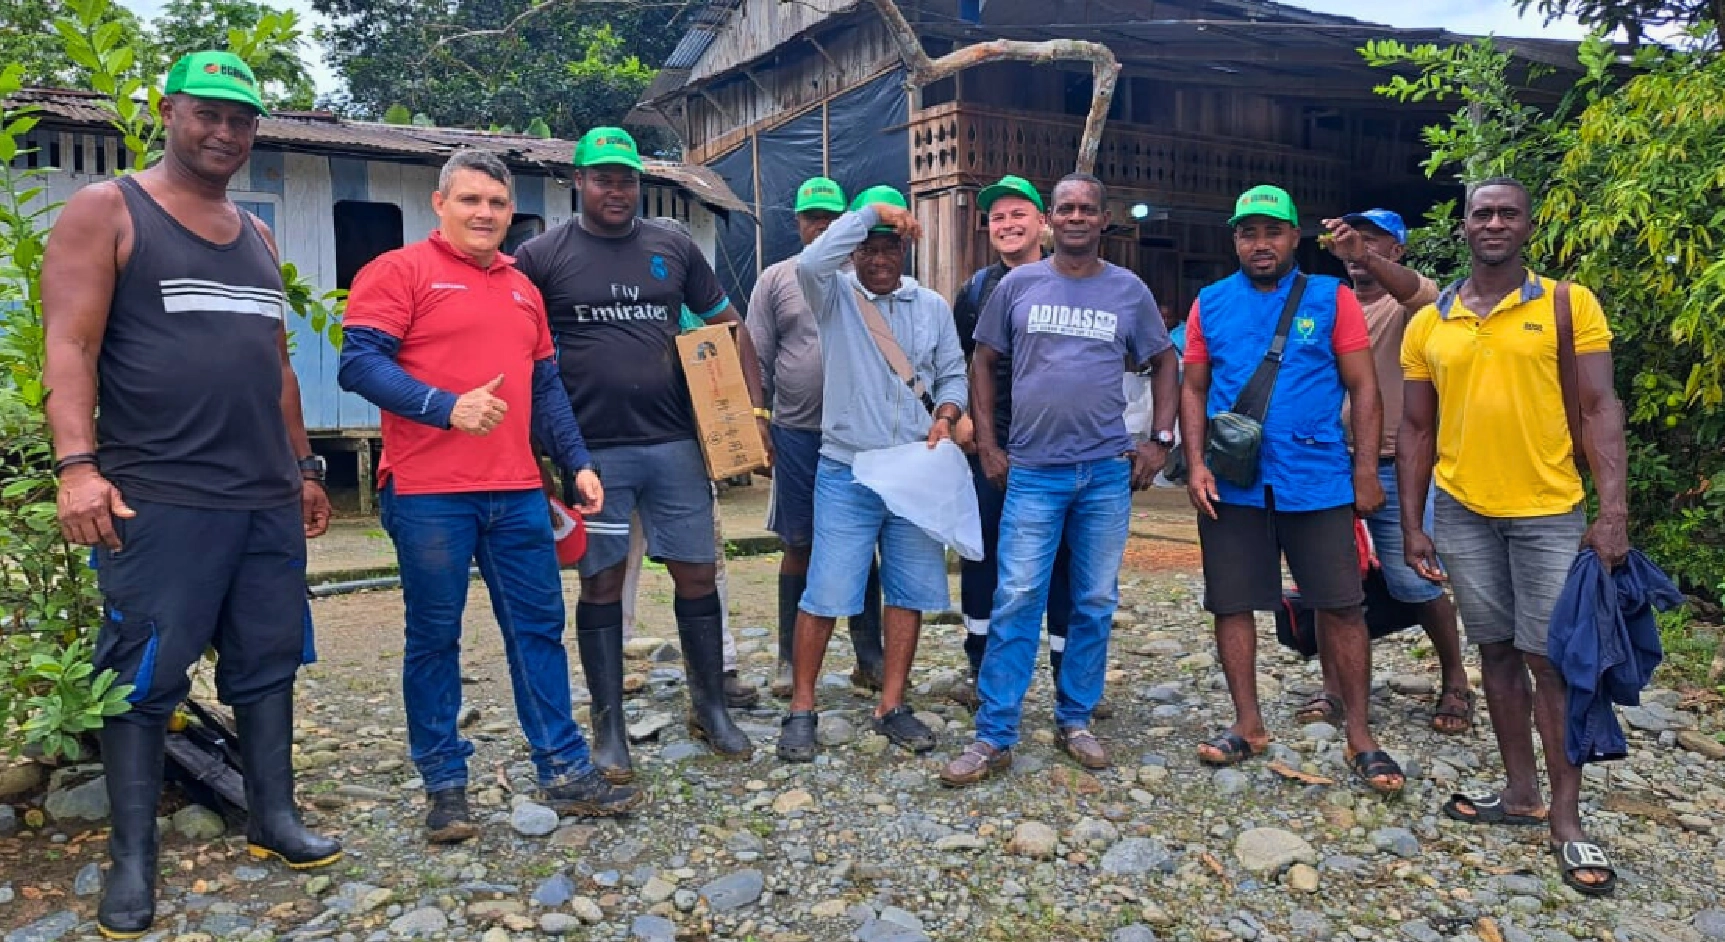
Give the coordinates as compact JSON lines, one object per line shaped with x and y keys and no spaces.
{"x":867,"y":144}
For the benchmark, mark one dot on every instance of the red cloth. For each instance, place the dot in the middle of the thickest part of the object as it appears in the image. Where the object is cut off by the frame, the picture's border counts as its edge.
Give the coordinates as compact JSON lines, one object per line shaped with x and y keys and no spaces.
{"x":1348,"y":336}
{"x":460,"y":326}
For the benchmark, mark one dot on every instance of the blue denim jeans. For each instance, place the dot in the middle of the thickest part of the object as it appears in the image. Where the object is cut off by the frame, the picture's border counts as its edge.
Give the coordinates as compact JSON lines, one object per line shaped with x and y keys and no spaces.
{"x":437,"y":538}
{"x":851,"y":522}
{"x":1089,"y":505}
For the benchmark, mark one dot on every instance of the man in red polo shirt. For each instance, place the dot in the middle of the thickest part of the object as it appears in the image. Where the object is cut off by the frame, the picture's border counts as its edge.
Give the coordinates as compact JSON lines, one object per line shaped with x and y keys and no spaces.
{"x":460,"y":483}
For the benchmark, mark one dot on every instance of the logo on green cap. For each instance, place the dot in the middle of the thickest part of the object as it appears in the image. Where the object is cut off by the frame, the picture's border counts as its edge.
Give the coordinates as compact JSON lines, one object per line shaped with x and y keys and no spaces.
{"x":1265,"y":200}
{"x":217,"y":75}
{"x":601,"y":146}
{"x":820,"y":193}
{"x":879,"y":194}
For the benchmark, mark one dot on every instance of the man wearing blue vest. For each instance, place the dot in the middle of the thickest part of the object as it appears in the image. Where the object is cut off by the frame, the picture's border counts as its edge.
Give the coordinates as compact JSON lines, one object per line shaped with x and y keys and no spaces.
{"x":1307,"y":489}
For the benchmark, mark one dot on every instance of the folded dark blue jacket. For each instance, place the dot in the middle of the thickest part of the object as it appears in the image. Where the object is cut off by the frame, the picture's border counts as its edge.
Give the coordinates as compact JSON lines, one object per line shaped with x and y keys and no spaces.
{"x":1605,"y":643}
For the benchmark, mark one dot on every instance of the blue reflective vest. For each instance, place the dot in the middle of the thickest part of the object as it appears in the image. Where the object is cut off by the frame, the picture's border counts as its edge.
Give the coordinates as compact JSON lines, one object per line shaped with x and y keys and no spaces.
{"x":1305,"y":458}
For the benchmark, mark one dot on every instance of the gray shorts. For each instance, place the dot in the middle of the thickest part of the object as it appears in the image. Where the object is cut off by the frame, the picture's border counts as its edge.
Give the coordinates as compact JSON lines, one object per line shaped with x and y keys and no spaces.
{"x":1507,"y":572}
{"x":667,"y":486}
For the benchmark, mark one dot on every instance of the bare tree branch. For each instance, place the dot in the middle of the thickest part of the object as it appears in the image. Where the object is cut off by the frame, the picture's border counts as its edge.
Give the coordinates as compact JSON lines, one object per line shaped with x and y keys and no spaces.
{"x":1105,"y":69}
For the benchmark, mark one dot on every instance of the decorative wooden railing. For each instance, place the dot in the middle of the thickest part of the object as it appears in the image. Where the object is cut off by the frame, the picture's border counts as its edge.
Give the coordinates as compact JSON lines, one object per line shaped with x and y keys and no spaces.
{"x":961,"y":145}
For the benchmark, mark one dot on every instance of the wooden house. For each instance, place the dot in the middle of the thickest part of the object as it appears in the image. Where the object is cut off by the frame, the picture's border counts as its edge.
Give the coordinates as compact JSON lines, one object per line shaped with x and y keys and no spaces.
{"x":339,"y":193}
{"x":1215,"y":96}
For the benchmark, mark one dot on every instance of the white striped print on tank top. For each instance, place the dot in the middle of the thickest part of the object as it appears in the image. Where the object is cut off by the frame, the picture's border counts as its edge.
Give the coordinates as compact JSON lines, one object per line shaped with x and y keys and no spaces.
{"x":195,"y":295}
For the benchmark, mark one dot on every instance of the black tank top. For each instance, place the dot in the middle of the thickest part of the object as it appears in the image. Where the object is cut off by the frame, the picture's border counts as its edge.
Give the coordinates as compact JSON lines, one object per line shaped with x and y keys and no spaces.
{"x":190,"y":376}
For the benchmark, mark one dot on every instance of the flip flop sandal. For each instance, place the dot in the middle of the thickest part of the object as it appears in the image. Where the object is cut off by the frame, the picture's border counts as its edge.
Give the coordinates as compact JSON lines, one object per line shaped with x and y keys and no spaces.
{"x":1375,"y":764}
{"x":1233,"y":747}
{"x":1446,"y":712}
{"x":1576,"y":856}
{"x":1488,"y":809}
{"x":1322,"y":708}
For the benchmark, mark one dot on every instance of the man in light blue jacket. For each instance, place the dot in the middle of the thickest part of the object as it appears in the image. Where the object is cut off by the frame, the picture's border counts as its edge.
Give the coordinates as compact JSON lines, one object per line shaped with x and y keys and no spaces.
{"x":870,"y":404}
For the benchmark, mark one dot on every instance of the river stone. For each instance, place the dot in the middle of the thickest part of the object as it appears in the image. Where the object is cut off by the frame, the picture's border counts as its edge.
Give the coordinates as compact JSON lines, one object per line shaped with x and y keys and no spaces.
{"x":1033,"y":839}
{"x":734,"y":890}
{"x":86,"y":802}
{"x":554,"y":892}
{"x":197,"y":823}
{"x":46,"y":929}
{"x":1137,"y":932}
{"x":1272,"y":850}
{"x":653,"y":929}
{"x":532,"y":819}
{"x":1137,"y":855}
{"x":19,"y":778}
{"x":88,"y":882}
{"x":558,"y":923}
{"x":426,"y":920}
{"x":1710,"y":923}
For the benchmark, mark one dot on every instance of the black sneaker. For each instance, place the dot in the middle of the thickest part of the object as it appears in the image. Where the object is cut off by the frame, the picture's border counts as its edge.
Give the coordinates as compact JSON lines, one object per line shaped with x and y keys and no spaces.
{"x":591,"y":795}
{"x":448,"y":821}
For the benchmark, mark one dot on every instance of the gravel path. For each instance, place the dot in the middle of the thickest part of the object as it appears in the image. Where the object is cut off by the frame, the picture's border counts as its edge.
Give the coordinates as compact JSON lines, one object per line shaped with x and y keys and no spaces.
{"x":864,"y":844}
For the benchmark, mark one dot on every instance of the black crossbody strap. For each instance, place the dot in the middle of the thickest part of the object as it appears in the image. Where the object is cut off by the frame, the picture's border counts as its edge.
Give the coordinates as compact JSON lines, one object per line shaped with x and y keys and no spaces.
{"x":1254,"y":400}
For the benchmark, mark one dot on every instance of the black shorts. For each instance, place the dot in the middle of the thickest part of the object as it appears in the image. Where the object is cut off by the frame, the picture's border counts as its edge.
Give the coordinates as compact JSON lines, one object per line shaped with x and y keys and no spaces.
{"x":1243,"y":549}
{"x":186,"y":579}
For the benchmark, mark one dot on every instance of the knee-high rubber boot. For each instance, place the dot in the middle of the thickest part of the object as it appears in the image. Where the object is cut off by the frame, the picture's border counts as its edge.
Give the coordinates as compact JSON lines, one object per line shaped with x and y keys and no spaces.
{"x":866,"y":637}
{"x":132,"y":762}
{"x":790,"y":596}
{"x":600,"y":640}
{"x":703,"y":655}
{"x":273,"y":825}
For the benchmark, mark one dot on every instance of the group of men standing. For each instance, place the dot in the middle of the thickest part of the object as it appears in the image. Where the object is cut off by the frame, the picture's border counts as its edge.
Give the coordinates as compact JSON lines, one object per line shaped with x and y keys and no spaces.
{"x":198,"y":487}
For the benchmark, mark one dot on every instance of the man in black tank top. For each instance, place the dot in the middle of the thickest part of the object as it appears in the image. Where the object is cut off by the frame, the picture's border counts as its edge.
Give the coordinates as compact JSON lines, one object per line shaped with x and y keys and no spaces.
{"x":163,"y":310}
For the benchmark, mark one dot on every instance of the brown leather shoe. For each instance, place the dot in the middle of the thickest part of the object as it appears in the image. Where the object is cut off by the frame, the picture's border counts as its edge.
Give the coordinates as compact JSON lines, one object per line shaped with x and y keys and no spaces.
{"x":1082,"y":746}
{"x":978,"y":761}
{"x":1104,"y":710}
{"x":964,"y":694}
{"x":738,"y":695}
{"x":781,"y":686}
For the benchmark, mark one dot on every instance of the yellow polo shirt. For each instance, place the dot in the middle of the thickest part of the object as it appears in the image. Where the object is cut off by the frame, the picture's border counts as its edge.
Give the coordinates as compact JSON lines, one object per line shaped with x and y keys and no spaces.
{"x":1503,"y":443}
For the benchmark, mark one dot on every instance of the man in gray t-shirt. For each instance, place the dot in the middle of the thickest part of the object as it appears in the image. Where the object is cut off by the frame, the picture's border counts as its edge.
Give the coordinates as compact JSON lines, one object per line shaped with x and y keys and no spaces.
{"x":1072,"y":324}
{"x":789,"y":345}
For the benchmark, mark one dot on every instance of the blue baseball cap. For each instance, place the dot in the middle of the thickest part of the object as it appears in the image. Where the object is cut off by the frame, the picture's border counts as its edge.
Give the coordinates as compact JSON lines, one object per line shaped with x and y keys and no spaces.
{"x":1384,"y":219}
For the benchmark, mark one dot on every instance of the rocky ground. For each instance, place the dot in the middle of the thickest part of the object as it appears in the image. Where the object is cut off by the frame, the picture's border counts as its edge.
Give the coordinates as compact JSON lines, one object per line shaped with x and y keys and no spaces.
{"x":866,"y":845}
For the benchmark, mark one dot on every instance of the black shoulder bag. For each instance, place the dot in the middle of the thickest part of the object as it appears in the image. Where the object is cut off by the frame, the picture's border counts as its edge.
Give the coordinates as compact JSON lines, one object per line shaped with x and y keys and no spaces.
{"x":1235,"y":438}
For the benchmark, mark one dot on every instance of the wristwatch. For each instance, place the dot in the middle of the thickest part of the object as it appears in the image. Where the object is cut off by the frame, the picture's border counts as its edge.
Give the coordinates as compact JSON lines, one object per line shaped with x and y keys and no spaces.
{"x":313,"y":468}
{"x":1165,"y":438}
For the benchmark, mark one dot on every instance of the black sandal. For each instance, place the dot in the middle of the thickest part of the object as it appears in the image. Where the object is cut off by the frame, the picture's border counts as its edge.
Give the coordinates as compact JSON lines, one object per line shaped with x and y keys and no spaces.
{"x":1376,"y":764}
{"x":1488,"y":809}
{"x":1576,"y":856}
{"x":1324,"y":707}
{"x":902,"y":727}
{"x":1233,"y":747}
{"x":797,"y":736}
{"x":1465,"y":713}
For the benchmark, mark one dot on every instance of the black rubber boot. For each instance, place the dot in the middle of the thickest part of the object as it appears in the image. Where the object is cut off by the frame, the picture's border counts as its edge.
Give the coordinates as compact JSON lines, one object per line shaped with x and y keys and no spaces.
{"x":790,"y":596}
{"x":599,"y":636}
{"x":704,"y":657}
{"x":132,"y":762}
{"x":865,"y":636}
{"x":273,"y":825}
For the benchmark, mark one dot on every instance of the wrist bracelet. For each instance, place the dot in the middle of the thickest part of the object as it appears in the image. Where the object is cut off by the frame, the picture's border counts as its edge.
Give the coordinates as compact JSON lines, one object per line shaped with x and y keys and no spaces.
{"x":82,"y":457}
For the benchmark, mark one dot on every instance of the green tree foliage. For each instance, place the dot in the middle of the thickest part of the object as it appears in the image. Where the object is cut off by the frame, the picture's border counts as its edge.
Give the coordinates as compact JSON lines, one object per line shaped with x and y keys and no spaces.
{"x":28,"y":41}
{"x":1633,"y":17}
{"x":273,"y":37}
{"x":480,"y":63}
{"x":1629,"y":176}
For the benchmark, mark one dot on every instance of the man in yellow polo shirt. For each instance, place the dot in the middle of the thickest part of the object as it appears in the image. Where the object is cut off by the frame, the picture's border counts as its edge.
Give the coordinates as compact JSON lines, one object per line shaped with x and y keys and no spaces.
{"x":1484,"y":399}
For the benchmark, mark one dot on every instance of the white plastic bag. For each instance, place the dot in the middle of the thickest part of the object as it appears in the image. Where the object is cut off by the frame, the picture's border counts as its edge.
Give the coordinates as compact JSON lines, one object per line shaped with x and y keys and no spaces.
{"x":1138,"y":404}
{"x":929,"y":487}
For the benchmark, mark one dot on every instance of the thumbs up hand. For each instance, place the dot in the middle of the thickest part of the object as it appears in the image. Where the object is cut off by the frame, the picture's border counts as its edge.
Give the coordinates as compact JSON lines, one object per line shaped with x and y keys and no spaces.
{"x":478,"y":411}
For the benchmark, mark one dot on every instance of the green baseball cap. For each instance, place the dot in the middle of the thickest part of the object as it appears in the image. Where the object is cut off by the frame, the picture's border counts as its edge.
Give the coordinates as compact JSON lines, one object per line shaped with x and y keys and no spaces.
{"x":1265,"y":200}
{"x":1009,"y":186}
{"x":820,"y":193}
{"x":602,"y":146}
{"x":213,"y":74}
{"x":879,"y":194}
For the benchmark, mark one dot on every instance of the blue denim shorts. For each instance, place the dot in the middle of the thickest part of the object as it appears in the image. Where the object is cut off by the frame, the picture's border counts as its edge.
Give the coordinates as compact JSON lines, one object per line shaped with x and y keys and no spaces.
{"x":1404,"y":584}
{"x":850,"y":521}
{"x":1507,"y":572}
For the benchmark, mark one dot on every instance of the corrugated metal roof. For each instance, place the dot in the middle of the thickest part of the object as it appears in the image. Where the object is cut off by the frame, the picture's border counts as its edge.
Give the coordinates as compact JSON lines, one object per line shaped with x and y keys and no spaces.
{"x":323,"y":132}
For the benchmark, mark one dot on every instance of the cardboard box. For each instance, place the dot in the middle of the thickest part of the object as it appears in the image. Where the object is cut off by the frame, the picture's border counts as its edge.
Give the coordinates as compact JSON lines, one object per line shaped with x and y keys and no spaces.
{"x":724,"y":416}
